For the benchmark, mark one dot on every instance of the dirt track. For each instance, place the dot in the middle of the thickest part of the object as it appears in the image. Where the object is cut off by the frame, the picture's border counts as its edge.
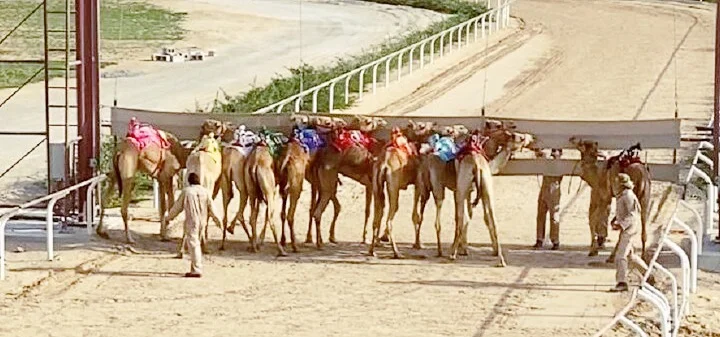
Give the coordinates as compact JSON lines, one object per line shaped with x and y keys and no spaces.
{"x":588,"y":60}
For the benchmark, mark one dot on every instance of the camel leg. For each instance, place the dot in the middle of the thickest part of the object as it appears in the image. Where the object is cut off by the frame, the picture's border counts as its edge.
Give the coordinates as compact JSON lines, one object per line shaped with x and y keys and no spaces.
{"x":166,"y":201}
{"x":394,"y":199}
{"x":594,"y":235}
{"x":379,"y":202}
{"x":262,"y":232}
{"x":328,"y":189}
{"x":126,"y":197}
{"x":463,"y":251}
{"x":254,"y":210}
{"x":490,"y":218}
{"x":460,"y":225}
{"x":418,"y":198}
{"x":314,"y":195}
{"x":336,"y":214}
{"x":294,"y":197}
{"x":268,"y":191}
{"x":225,"y":186}
{"x":439,"y":197}
{"x":368,"y":205}
{"x":283,"y":217}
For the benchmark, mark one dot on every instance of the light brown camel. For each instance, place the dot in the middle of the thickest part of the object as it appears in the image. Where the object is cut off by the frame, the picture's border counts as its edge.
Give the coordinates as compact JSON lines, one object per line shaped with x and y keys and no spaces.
{"x":206,"y":161}
{"x":436,"y":175}
{"x":260,"y":185}
{"x":395,"y":169}
{"x":159,"y":163}
{"x":475,"y":170}
{"x":355,"y":162}
{"x":295,"y":163}
{"x":601,"y":174}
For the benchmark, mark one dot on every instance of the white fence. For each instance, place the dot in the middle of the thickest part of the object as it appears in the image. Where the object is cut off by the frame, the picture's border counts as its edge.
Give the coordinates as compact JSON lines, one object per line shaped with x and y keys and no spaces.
{"x":483,"y":26}
{"x":674,"y":310}
{"x":93,"y":198}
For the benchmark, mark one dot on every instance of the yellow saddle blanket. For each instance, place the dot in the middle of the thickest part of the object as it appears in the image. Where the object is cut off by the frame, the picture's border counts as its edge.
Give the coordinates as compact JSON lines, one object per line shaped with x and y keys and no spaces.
{"x":209,"y":144}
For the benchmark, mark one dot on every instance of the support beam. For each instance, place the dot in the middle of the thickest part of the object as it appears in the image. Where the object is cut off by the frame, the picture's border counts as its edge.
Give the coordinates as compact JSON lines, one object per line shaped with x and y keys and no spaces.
{"x":716,"y":104}
{"x":88,"y":116}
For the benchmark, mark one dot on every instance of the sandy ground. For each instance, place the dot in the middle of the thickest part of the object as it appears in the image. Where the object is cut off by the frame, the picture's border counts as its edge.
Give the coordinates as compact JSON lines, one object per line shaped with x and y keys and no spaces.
{"x":254,"y":41}
{"x":577,"y":59}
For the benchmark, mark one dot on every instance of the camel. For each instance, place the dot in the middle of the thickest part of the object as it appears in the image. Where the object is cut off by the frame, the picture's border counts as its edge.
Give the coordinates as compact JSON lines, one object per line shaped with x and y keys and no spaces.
{"x":599,"y":176}
{"x":355,"y":161}
{"x":436,"y":175}
{"x":160,"y":161}
{"x":395,"y":169}
{"x":475,"y":170}
{"x":295,"y":162}
{"x":259,"y":176}
{"x":206,"y":161}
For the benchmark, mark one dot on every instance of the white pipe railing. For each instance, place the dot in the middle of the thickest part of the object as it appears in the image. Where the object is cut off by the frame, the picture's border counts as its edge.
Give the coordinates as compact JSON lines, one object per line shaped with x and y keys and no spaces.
{"x":671,"y":316}
{"x":500,"y":16}
{"x":93,"y":186}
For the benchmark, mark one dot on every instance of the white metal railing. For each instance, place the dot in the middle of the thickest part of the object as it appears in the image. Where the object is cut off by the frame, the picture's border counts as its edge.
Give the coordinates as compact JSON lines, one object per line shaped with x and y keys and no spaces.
{"x":672,"y":313}
{"x":91,"y":200}
{"x":484,"y":25}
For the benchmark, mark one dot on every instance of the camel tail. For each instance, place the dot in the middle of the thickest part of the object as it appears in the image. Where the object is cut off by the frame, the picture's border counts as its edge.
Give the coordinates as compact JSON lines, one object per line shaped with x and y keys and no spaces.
{"x":478,"y":186}
{"x":258,"y":188}
{"x":116,"y":170}
{"x":379,"y":182}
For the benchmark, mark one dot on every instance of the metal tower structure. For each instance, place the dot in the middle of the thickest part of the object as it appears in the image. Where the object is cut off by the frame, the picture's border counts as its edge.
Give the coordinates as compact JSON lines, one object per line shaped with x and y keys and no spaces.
{"x":70,"y":65}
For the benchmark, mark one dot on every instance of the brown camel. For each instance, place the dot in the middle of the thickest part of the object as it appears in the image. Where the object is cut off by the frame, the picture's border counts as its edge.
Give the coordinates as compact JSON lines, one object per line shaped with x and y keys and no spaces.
{"x":155,"y":160}
{"x":598,"y":175}
{"x":436,"y":175}
{"x":475,"y":170}
{"x":355,"y":161}
{"x":395,"y":169}
{"x":260,"y":185}
{"x":295,"y":163}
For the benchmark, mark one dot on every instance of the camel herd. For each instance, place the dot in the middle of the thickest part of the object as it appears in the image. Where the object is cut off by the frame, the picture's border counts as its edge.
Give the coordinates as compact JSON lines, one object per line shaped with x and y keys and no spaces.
{"x":267,"y":167}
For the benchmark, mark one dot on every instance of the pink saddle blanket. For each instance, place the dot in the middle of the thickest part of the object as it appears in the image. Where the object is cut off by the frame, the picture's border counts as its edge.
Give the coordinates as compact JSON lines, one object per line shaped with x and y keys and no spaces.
{"x":142,"y":135}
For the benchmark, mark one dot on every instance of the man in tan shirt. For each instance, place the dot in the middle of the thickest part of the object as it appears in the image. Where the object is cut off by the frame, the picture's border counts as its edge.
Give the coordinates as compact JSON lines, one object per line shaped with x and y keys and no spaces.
{"x":627,"y":220}
{"x":549,"y":205}
{"x":195,"y":200}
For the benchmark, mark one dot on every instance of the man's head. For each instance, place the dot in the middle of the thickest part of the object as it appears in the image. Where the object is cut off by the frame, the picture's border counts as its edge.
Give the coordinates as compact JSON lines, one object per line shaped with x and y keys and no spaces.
{"x":623,"y":182}
{"x":193,"y":179}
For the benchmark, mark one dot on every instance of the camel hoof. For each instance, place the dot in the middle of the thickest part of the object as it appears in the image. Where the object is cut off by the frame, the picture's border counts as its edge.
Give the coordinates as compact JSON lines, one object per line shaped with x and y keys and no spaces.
{"x":372,"y":254}
{"x":465,"y":253}
{"x":294,"y":248}
{"x":129,"y":240}
{"x":418,"y":246}
{"x":365,"y":242}
{"x":230,"y":230}
{"x":610,"y":259}
{"x":282,"y":253}
{"x":252,"y":249}
{"x":501,"y":264}
{"x":320,"y":247}
{"x":179,"y":256}
{"x":384,"y":238}
{"x":439,"y":254}
{"x":165,"y":239}
{"x":222,"y":248}
{"x":593,"y":253}
{"x":104,"y":235}
{"x":308,"y":240}
{"x":452,"y":257}
{"x":332,"y":240}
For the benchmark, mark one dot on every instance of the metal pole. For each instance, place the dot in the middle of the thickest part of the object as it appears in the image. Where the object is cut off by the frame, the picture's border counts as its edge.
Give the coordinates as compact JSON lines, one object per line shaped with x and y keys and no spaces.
{"x":47,"y":96}
{"x":716,"y":104}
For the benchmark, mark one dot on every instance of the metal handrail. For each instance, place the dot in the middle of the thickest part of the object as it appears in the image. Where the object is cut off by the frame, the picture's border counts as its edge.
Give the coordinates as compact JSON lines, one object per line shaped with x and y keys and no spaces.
{"x":92,"y":184}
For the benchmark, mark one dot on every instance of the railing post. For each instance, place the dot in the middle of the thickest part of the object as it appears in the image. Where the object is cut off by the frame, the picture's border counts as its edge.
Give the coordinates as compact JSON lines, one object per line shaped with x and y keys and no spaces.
{"x":347,"y":89}
{"x":297,"y":104}
{"x":442,"y":44}
{"x":685,"y":264}
{"x":361,"y":85}
{"x":331,"y":98}
{"x":432,"y":50}
{"x":459,"y":37}
{"x":387,"y":71}
{"x":673,"y":280}
{"x":3,"y":221}
{"x":314,"y":98}
{"x":400,"y":64}
{"x":374,"y":83}
{"x":693,"y":252}
{"x":664,"y":315}
{"x":89,"y":205}
{"x":632,"y":326}
{"x":482,"y":26}
{"x":467,"y":33}
{"x":49,"y":226}
{"x":410,"y":59}
{"x":156,"y":194}
{"x":476,"y":30}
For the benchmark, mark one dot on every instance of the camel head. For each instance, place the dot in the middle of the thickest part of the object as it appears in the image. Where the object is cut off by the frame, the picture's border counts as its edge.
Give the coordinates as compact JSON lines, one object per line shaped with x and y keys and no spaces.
{"x":589,"y":150}
{"x":368,"y":124}
{"x":213,"y":126}
{"x":301,"y":121}
{"x":518,"y":141}
{"x":419,"y":130}
{"x":455,"y":131}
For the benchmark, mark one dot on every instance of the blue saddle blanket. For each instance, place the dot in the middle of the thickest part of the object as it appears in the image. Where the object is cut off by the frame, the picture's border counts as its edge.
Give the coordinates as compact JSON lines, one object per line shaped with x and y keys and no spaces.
{"x":443,"y":147}
{"x":310,"y":139}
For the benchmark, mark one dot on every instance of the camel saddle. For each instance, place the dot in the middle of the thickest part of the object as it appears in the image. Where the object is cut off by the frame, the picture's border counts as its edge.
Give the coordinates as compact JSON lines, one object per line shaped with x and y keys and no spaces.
{"x":309,"y":138}
{"x":400,"y":142}
{"x":244,"y":140}
{"x":626,"y":158}
{"x":443,"y":147}
{"x":209,"y":144}
{"x":273,"y":140}
{"x":474,"y":144}
{"x":141,"y":135}
{"x":349,"y":138}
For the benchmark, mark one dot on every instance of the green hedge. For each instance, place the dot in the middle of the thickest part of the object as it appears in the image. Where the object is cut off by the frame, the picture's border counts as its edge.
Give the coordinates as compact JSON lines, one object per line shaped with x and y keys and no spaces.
{"x":282,"y":87}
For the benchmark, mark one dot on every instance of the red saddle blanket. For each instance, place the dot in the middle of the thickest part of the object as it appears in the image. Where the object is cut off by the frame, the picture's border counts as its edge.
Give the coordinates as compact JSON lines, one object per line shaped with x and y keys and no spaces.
{"x":142,"y":135}
{"x":400,"y":142}
{"x":624,"y":161}
{"x":475,"y":144}
{"x":348,"y":138}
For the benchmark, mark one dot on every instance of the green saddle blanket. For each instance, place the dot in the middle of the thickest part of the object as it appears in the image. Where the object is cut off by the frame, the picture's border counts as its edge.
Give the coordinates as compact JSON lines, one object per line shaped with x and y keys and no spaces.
{"x":273,"y":140}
